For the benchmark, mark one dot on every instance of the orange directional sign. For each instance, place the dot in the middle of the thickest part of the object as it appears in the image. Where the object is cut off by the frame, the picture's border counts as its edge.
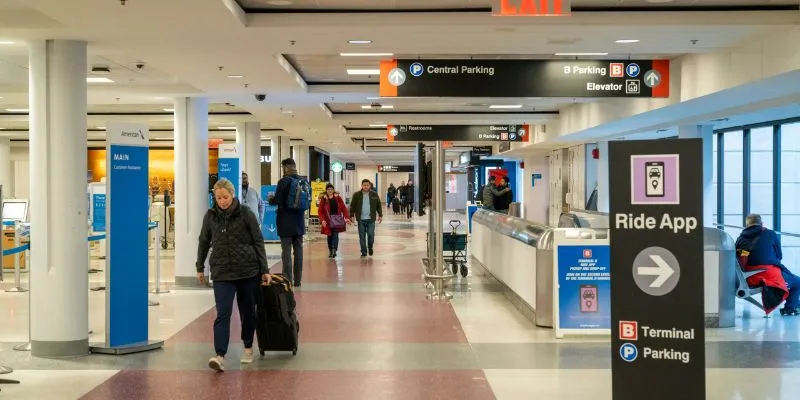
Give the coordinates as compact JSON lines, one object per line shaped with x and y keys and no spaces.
{"x":531,"y":8}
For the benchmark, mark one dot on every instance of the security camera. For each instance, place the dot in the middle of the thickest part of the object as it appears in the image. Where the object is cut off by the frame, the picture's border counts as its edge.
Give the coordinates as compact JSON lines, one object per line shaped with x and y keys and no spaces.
{"x":261,"y":97}
{"x":139,"y":65}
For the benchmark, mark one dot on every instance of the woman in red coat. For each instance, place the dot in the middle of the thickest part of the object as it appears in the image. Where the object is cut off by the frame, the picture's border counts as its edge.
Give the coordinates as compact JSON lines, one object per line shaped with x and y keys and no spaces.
{"x":331,"y":206}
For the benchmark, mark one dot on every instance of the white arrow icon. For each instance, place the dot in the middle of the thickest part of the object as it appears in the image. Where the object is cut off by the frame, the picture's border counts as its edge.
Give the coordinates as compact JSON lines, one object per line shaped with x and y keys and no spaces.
{"x":271,"y":228}
{"x":663,"y":271}
{"x":652,"y":78}
{"x":397,"y":77}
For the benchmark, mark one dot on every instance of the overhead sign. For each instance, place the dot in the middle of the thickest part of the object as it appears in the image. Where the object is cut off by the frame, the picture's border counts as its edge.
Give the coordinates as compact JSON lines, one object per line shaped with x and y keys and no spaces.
{"x":350,"y":166}
{"x":395,"y":168}
{"x":525,"y":78}
{"x":472,"y":133}
{"x":531,"y":8}
{"x":481,"y":151}
{"x":127,"y":218}
{"x":657,"y":300}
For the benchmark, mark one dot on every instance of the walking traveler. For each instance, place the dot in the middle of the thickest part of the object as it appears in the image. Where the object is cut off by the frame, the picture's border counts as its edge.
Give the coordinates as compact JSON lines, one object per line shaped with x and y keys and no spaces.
{"x":402,"y":192}
{"x":390,"y":195}
{"x":252,"y":198}
{"x":366,"y":208}
{"x":409,"y":199}
{"x":238,"y":265}
{"x":292,"y":196}
{"x":333,"y":216}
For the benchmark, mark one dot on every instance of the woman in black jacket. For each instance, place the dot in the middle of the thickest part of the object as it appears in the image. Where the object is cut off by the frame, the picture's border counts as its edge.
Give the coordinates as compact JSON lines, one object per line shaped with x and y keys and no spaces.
{"x":238,"y":265}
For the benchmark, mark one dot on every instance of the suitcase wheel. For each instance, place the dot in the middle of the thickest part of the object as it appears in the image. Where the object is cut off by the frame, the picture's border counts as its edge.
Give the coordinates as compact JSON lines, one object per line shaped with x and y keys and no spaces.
{"x":464,"y":270}
{"x":261,"y":352}
{"x":294,"y":352}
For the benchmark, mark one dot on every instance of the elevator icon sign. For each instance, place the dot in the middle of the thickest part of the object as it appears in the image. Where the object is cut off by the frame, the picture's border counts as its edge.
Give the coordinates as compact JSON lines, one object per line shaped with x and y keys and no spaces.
{"x":655,"y":179}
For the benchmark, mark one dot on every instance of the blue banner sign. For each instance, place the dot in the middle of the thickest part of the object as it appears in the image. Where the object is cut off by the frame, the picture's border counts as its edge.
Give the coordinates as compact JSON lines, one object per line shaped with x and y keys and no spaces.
{"x":584,"y":287}
{"x":230,"y":166}
{"x":127,"y":244}
{"x":98,"y":212}
{"x":269,"y":227}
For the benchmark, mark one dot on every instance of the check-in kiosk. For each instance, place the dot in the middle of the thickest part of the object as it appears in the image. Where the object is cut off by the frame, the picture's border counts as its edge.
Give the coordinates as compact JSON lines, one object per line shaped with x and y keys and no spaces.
{"x":15,"y":211}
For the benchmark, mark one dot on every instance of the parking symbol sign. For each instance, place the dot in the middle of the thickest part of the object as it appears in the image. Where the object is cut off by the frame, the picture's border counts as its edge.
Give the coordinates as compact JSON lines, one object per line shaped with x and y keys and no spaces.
{"x":617,"y":70}
{"x":628,"y":352}
{"x":628,"y":330}
{"x":416,"y":69}
{"x":632,"y":86}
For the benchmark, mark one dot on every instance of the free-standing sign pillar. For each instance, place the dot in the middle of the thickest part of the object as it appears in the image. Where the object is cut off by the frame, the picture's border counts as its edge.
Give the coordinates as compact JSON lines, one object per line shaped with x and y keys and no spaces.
{"x":127,"y":213}
{"x":657,"y":300}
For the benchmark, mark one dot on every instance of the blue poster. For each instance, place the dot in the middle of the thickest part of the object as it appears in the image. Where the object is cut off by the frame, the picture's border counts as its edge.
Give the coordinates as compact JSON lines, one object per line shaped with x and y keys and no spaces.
{"x":269,"y":227}
{"x":584,"y":287}
{"x":127,"y":275}
{"x":229,"y":169}
{"x":98,"y":213}
{"x":471,"y":209}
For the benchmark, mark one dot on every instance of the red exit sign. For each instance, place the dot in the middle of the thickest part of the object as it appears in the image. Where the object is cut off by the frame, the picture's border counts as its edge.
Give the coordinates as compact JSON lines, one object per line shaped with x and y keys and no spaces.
{"x":531,"y":8}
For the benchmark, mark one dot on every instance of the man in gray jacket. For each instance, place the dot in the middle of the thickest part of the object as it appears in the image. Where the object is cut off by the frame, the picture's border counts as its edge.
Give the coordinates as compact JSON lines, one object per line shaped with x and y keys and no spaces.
{"x":490,"y":192}
{"x":252,"y":199}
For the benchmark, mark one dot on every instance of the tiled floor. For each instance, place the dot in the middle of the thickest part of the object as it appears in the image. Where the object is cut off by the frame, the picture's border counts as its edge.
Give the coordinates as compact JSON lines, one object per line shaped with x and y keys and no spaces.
{"x":368,"y":332}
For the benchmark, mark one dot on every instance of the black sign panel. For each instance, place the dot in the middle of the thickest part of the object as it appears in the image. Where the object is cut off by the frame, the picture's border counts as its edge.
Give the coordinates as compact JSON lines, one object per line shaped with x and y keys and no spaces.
{"x":657,"y":315}
{"x":350,"y":166}
{"x":471,"y":133}
{"x":395,"y":168}
{"x":481,"y":151}
{"x":525,"y":78}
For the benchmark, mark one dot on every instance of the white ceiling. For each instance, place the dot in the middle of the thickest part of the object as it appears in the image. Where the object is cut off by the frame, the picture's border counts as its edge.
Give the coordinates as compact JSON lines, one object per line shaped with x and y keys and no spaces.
{"x":183,"y":55}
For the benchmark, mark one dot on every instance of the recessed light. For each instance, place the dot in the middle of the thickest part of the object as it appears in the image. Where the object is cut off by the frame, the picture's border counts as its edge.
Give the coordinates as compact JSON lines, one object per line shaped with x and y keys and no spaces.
{"x":378,"y":125}
{"x":279,"y":2}
{"x":659,"y":1}
{"x":169,"y":109}
{"x":235,"y":76}
{"x":17,"y":109}
{"x":359,"y":41}
{"x":627,"y":41}
{"x":6,"y":42}
{"x":227,"y":128}
{"x":387,"y":106}
{"x":159,"y":98}
{"x":366,"y":107}
{"x":363,"y":71}
{"x":366,"y":54}
{"x":505,"y":106}
{"x":98,"y":79}
{"x":101,"y":127}
{"x":581,"y":54}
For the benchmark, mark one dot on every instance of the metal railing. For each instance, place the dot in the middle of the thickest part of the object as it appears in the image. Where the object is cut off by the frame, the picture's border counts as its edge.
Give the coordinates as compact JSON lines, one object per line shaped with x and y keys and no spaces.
{"x":789,"y":234}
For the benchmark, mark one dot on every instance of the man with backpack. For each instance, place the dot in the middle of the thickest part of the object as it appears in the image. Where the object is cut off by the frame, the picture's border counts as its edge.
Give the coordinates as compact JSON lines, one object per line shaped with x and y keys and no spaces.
{"x":292,"y":196}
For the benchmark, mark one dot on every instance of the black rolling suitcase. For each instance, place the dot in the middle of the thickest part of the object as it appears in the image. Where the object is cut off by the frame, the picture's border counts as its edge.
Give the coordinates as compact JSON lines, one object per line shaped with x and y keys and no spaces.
{"x":277,"y":327}
{"x":396,"y":205}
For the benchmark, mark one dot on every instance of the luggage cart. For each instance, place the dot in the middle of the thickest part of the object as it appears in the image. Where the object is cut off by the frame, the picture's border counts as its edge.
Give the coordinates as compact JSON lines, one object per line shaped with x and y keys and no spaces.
{"x":454,"y":248}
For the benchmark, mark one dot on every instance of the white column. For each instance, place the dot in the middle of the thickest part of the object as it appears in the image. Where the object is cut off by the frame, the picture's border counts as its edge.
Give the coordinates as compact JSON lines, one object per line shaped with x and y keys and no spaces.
{"x":275,"y":165}
{"x":705,"y":132}
{"x":191,"y":183}
{"x":301,"y":157}
{"x":5,"y":167}
{"x":59,"y":287}
{"x":602,"y":177}
{"x":286,"y":147}
{"x":248,"y":136}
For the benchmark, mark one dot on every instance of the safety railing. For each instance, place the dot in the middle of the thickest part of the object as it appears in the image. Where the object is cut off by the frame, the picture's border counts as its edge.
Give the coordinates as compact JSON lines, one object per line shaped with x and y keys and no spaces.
{"x":789,"y":234}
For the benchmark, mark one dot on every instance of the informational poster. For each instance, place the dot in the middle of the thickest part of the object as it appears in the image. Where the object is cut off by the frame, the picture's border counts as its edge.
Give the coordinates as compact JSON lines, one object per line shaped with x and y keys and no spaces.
{"x":230,"y":167}
{"x":584,"y":287}
{"x":317,"y":189}
{"x":98,"y":212}
{"x":127,"y":216}
{"x":657,"y":298}
{"x":269,"y":227}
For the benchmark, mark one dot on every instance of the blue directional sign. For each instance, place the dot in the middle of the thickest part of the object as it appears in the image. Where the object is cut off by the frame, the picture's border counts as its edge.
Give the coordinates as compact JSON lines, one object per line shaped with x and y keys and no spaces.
{"x":416,"y":69}
{"x":633,"y":70}
{"x":629,"y":352}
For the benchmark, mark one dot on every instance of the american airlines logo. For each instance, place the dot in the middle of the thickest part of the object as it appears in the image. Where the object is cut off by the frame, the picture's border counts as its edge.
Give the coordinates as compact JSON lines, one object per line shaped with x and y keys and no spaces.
{"x":131,"y":134}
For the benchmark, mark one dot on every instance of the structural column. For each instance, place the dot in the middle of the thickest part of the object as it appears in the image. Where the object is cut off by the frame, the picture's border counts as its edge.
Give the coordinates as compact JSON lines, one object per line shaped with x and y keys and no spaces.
{"x":5,"y":167}
{"x":602,"y":177}
{"x":280,"y":150}
{"x":59,"y":287}
{"x":191,"y":183}
{"x":248,"y":136}
{"x":301,"y":157}
{"x":706,"y":133}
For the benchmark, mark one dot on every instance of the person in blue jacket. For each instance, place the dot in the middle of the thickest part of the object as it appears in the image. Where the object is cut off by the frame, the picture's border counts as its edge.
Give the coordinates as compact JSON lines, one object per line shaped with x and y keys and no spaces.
{"x":291,"y":225}
{"x":764,"y":246}
{"x":251,"y":198}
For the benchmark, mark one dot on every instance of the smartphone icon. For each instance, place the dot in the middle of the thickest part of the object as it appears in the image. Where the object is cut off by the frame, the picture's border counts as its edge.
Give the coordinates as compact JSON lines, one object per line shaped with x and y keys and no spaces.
{"x":588,"y":298}
{"x":654,"y":178}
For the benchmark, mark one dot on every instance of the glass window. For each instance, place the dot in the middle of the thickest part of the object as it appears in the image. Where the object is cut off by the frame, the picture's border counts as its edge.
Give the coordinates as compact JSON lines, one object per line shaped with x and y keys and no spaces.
{"x":713,"y":194}
{"x":733,"y":185}
{"x":761,"y":174}
{"x":790,"y":194}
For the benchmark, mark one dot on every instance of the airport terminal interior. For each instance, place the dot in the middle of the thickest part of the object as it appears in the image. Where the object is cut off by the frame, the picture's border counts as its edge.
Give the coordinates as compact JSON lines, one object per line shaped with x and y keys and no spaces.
{"x":571,"y":199}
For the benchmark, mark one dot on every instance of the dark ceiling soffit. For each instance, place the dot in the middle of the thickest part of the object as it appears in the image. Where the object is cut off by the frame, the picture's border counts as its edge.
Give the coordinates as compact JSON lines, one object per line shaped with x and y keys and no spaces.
{"x":718,"y":8}
{"x":448,"y":113}
{"x":159,"y":130}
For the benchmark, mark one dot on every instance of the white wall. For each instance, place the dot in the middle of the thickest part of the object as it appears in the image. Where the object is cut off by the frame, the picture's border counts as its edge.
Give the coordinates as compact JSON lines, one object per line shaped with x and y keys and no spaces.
{"x":536,"y":198}
{"x":364,"y":172}
{"x":457,"y":200}
{"x":20,"y":168}
{"x":390,"y":177}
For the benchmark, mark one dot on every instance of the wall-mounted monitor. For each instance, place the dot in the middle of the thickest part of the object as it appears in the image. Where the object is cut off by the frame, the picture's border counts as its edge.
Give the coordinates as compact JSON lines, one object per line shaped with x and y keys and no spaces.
{"x":15,"y":210}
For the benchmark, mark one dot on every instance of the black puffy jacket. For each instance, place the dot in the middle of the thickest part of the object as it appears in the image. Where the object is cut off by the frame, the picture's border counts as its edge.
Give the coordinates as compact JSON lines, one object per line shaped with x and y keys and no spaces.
{"x":238,"y":247}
